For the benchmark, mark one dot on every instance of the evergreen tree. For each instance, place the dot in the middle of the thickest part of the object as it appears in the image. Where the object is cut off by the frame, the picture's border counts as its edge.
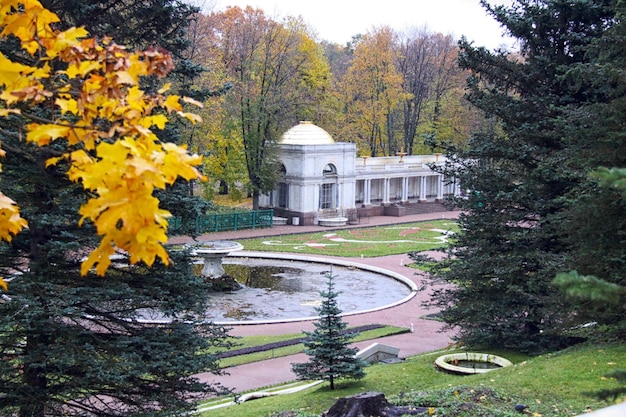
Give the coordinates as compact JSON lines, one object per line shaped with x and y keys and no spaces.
{"x":80,"y":346}
{"x":135,"y":24}
{"x":516,"y":230}
{"x":75,"y":345}
{"x":596,"y":215}
{"x":327,"y":345}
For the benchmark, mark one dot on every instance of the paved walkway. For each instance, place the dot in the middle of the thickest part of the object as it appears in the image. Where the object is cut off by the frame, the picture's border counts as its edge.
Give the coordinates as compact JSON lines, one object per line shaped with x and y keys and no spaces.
{"x":425,"y":337}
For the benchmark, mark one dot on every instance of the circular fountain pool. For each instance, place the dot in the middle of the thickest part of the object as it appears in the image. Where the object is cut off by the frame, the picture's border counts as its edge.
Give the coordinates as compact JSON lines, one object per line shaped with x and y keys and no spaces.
{"x":279,"y":290}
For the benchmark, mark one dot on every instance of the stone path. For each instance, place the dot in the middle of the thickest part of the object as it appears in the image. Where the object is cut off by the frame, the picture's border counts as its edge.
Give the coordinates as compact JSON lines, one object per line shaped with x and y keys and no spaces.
{"x":427,"y":335}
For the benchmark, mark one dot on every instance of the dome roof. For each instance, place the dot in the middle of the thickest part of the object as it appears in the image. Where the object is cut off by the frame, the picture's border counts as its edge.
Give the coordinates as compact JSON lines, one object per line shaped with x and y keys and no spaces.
{"x":306,"y":133}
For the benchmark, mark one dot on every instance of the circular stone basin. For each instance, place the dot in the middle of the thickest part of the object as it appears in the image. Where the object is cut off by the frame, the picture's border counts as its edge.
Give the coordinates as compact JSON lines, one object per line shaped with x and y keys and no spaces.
{"x":471,"y":363}
{"x":217,"y":247}
{"x":289,"y":291}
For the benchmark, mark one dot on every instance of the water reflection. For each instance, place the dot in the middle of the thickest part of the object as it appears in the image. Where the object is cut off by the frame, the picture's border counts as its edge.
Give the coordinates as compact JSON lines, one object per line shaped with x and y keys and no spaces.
{"x":273,"y":277}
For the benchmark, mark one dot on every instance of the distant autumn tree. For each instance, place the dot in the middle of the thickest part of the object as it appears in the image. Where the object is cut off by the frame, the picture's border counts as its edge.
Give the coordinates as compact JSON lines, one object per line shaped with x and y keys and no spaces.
{"x":218,"y":138}
{"x":427,"y":64}
{"x":372,"y":89}
{"x":279,"y":75}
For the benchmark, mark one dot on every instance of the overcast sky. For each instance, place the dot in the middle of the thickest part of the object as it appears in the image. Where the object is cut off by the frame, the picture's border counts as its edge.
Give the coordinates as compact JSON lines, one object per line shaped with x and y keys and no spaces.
{"x":338,"y":20}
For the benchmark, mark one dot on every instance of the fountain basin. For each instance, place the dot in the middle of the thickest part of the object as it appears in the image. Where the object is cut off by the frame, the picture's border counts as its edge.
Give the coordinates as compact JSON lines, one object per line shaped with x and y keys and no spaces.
{"x":261,"y":305}
{"x":279,"y":307}
{"x":450,"y":363}
{"x":333,"y":221}
{"x":212,"y":254}
{"x":217,"y":248}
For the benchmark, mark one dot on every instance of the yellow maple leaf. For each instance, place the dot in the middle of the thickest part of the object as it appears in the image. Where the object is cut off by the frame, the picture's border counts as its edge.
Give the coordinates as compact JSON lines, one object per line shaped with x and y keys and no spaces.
{"x":135,"y":99}
{"x":11,"y":223}
{"x":23,"y":22}
{"x":81,"y":68}
{"x":158,"y":120}
{"x":42,"y":134}
{"x":125,"y":77}
{"x":53,"y":161}
{"x":10,"y":71}
{"x":101,"y":257}
{"x":69,"y":105}
{"x":64,"y":40}
{"x":172,"y":104}
{"x":31,"y":24}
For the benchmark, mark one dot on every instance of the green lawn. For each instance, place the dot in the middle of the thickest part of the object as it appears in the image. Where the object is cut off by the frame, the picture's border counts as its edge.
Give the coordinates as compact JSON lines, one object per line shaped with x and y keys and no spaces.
{"x":551,"y":385}
{"x":250,"y":341}
{"x":367,"y":241}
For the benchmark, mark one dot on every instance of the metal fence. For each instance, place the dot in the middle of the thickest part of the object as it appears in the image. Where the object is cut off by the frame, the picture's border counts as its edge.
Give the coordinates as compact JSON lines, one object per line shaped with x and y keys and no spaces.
{"x":253,"y":219}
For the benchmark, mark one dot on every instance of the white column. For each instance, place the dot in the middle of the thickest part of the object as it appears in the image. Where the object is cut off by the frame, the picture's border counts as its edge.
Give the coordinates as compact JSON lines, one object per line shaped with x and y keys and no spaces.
{"x":367,"y":192}
{"x":385,"y":190}
{"x":316,"y":196}
{"x":405,"y":189}
{"x":422,"y":189}
{"x":439,"y":187}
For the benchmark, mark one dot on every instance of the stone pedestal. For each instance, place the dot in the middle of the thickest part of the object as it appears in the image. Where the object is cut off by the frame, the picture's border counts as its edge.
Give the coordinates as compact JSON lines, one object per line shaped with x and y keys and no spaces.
{"x":212,"y":254}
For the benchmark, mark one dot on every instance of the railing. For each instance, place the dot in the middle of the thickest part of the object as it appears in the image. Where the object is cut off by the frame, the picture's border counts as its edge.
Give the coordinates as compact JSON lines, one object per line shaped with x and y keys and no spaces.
{"x":253,"y":219}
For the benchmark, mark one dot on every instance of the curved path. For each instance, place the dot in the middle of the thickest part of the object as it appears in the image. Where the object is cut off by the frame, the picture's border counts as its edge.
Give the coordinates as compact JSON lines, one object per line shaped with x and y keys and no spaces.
{"x":427,"y":335}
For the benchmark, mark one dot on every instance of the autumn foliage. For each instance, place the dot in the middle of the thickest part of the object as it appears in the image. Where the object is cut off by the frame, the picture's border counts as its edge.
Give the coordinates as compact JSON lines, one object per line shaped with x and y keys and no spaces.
{"x":106,"y":121}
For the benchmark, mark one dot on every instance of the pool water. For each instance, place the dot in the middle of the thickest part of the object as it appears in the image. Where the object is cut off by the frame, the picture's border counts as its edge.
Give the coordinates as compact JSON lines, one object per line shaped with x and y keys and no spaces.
{"x":282,"y":289}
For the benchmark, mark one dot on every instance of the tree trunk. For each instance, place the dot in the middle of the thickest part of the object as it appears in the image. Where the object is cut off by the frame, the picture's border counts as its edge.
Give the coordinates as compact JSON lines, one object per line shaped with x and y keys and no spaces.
{"x":369,"y":404}
{"x":256,"y":195}
{"x":35,"y":380}
{"x":223,"y":187}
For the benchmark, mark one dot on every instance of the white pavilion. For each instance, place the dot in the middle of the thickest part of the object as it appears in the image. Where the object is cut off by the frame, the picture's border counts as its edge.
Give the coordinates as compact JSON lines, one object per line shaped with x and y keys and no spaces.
{"x":325,"y":183}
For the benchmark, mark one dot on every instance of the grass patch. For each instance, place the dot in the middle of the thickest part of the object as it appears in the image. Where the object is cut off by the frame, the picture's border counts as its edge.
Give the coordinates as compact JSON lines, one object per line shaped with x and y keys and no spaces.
{"x":551,"y":385}
{"x":270,"y":353}
{"x":369,"y":241}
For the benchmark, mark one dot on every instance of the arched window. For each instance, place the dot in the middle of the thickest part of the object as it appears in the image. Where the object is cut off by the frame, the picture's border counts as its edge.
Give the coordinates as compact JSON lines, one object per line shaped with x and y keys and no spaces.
{"x":328,"y":187}
{"x":329,"y":171}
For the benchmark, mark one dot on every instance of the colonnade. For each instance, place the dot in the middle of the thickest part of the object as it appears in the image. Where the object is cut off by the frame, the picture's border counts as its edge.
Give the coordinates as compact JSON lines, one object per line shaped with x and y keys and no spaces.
{"x":416,"y":188}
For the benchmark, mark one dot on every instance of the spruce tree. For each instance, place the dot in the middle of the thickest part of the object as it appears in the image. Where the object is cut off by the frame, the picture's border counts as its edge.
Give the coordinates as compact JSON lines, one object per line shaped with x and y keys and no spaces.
{"x":327,"y":346}
{"x":522,"y":175}
{"x":596,"y":216}
{"x":129,"y":343}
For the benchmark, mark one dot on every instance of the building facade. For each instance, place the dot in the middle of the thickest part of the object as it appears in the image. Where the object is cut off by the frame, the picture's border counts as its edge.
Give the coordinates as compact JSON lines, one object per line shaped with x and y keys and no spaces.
{"x":324,"y":182}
